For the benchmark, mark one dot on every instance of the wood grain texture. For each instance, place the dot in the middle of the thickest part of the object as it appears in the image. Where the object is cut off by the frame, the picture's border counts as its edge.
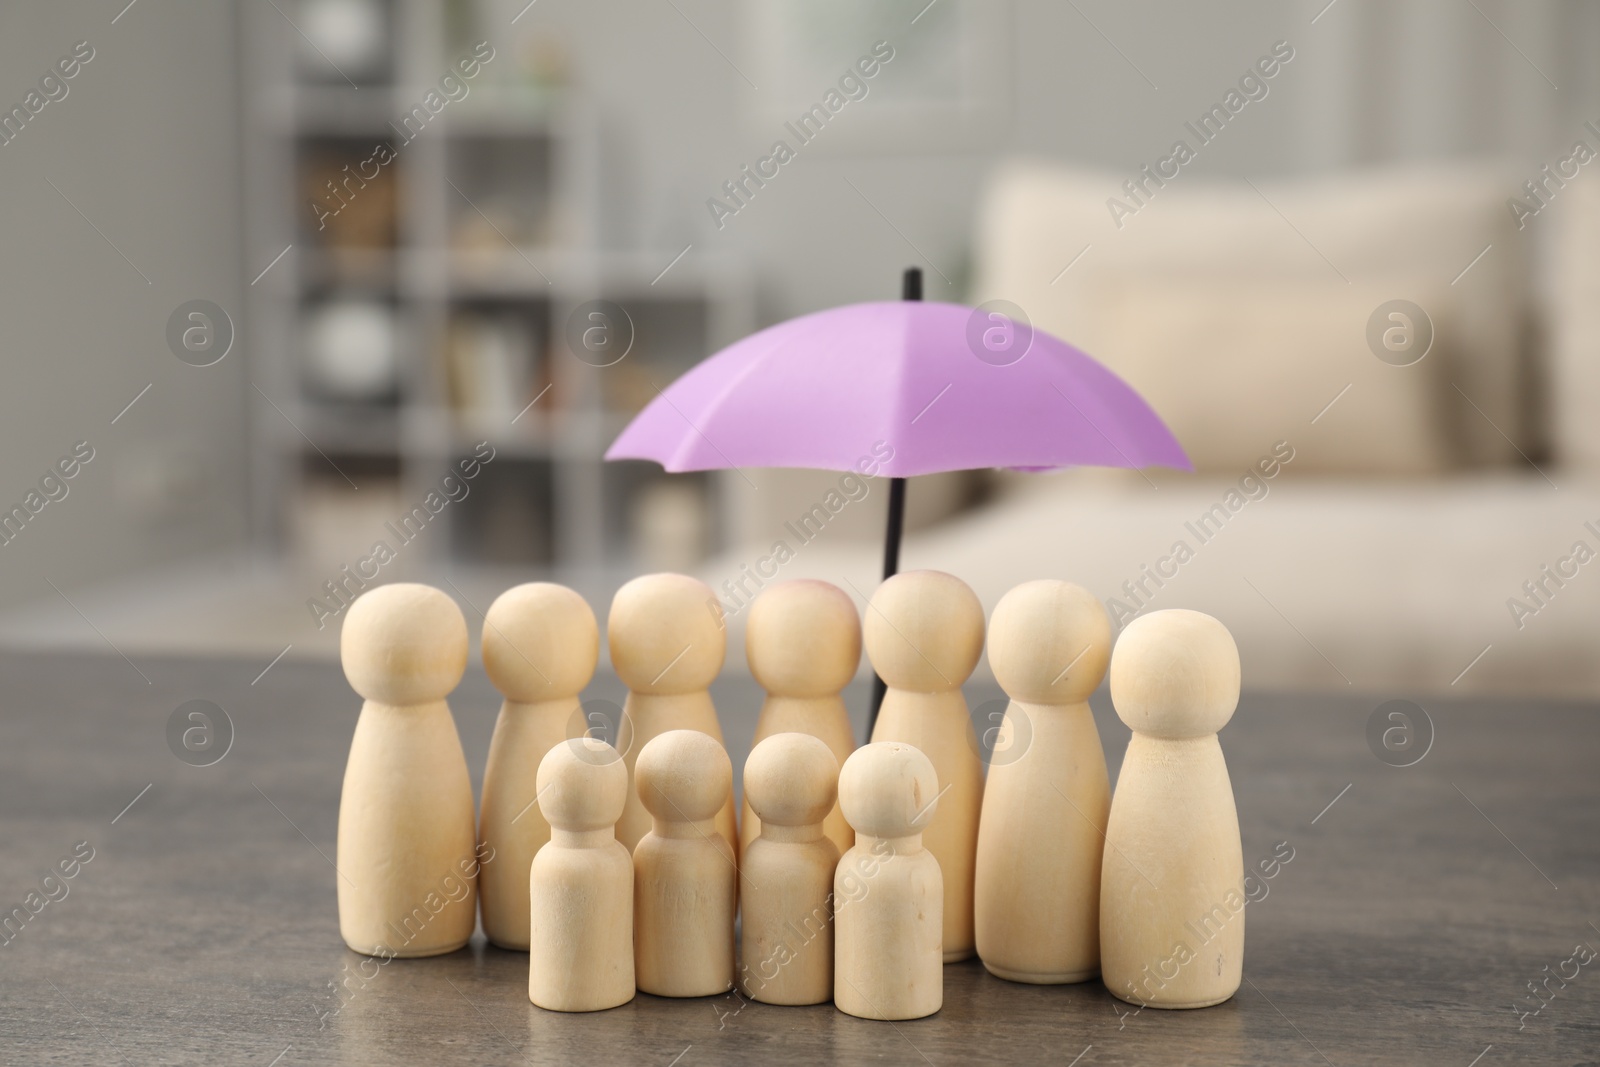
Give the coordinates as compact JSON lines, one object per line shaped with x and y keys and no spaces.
{"x":406,"y":850}
{"x":685,"y":874}
{"x":540,"y":645}
{"x":668,"y":646}
{"x":888,"y":890}
{"x":1041,"y":834}
{"x":924,"y":633}
{"x":803,"y":644}
{"x":786,"y":901}
{"x":1173,"y":894}
{"x":580,"y":883}
{"x":205,"y":929}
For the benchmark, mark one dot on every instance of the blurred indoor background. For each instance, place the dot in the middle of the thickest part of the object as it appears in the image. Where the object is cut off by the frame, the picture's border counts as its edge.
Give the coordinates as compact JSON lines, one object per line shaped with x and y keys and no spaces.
{"x":278,"y":267}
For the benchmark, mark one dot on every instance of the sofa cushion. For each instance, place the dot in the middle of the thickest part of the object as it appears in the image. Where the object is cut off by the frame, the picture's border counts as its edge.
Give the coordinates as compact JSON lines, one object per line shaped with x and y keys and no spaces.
{"x":1575,"y":327}
{"x":1327,"y":584}
{"x":1233,"y":371}
{"x":1047,"y":240}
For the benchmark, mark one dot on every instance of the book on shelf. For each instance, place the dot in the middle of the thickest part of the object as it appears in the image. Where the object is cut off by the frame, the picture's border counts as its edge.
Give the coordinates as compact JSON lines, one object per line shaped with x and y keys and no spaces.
{"x":491,"y":362}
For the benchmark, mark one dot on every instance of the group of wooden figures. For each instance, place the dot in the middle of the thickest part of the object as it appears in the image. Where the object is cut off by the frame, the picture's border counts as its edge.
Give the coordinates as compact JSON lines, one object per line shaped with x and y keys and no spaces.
{"x":856,"y":873}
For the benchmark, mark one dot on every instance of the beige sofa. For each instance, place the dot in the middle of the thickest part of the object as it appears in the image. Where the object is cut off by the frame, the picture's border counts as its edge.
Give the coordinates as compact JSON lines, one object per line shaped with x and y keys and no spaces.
{"x":1423,"y":535}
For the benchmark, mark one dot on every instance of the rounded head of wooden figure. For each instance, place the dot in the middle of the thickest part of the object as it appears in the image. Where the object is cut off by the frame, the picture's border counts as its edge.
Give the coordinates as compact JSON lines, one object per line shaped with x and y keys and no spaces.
{"x":791,"y":780}
{"x":1049,"y":642}
{"x":540,"y":642}
{"x":683,"y":776}
{"x":1175,"y":674}
{"x":888,"y":789}
{"x":803,"y":638}
{"x":666,"y":634}
{"x":924,"y":631}
{"x":404,"y":643}
{"x":582,"y":785}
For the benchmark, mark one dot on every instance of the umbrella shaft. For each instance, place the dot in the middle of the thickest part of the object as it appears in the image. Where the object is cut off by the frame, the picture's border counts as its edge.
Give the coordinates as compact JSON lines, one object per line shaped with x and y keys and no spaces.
{"x":897,"y":521}
{"x":891,"y":566}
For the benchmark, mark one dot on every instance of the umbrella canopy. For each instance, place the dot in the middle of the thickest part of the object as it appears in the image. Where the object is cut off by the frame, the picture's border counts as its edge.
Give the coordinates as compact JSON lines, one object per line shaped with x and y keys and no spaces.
{"x":945,"y":387}
{"x":910,"y":387}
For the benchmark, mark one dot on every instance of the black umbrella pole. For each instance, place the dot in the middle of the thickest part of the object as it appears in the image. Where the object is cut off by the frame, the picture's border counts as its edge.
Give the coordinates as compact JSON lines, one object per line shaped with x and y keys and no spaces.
{"x":891,"y":566}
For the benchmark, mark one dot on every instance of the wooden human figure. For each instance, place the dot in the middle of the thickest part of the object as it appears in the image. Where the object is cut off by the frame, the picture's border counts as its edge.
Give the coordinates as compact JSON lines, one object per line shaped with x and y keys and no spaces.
{"x":924,"y":634}
{"x":1036,"y":894}
{"x":888,"y":891}
{"x":803,"y":643}
{"x":581,"y":883}
{"x":786,"y":874}
{"x":540,"y":646}
{"x":685,"y":876}
{"x":406,"y":864}
{"x":1172,"y":883}
{"x":667,"y":644}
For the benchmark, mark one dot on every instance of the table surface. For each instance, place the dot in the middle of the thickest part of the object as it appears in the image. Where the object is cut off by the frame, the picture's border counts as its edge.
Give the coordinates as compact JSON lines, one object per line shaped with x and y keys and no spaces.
{"x":1419,"y":903}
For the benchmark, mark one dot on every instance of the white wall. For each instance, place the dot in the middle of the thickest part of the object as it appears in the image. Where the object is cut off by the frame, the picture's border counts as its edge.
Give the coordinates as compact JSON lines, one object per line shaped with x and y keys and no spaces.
{"x":145,"y":145}
{"x":1372,"y":81}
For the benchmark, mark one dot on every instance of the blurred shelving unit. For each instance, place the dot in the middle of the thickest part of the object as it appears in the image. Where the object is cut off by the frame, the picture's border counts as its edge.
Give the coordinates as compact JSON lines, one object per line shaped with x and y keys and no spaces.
{"x":435,"y":262}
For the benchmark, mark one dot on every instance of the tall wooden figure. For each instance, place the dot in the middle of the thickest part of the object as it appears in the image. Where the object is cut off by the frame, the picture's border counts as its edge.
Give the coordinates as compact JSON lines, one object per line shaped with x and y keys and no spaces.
{"x":888,"y":892}
{"x":803,"y":643}
{"x":668,"y":642}
{"x":581,"y":883}
{"x":685,"y":882}
{"x":540,"y":646}
{"x":786,"y":874}
{"x":406,"y":866}
{"x":924,"y":634}
{"x":1171,"y":890}
{"x":1036,"y":895}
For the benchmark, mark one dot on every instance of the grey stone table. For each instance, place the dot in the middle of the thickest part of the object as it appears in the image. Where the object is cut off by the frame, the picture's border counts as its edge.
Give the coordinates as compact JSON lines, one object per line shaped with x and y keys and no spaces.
{"x":1420,"y":902}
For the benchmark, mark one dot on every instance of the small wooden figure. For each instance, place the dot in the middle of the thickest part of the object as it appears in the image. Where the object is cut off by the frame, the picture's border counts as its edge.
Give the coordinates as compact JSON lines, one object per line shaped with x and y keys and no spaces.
{"x":581,"y":883}
{"x":406,"y":866}
{"x":1036,"y":894}
{"x":667,"y":644}
{"x":540,"y":646}
{"x":1172,"y":885}
{"x":786,"y":874}
{"x":803,"y":643}
{"x":888,"y":891}
{"x":685,"y":881}
{"x":924,"y":634}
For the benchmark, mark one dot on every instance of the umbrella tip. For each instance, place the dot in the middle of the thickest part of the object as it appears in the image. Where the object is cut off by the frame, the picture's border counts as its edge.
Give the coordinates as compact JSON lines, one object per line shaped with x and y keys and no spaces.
{"x":911,"y":284}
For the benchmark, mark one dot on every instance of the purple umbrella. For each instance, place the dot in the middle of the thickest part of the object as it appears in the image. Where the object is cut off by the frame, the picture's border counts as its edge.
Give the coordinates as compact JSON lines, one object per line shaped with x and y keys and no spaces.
{"x":937,"y":387}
